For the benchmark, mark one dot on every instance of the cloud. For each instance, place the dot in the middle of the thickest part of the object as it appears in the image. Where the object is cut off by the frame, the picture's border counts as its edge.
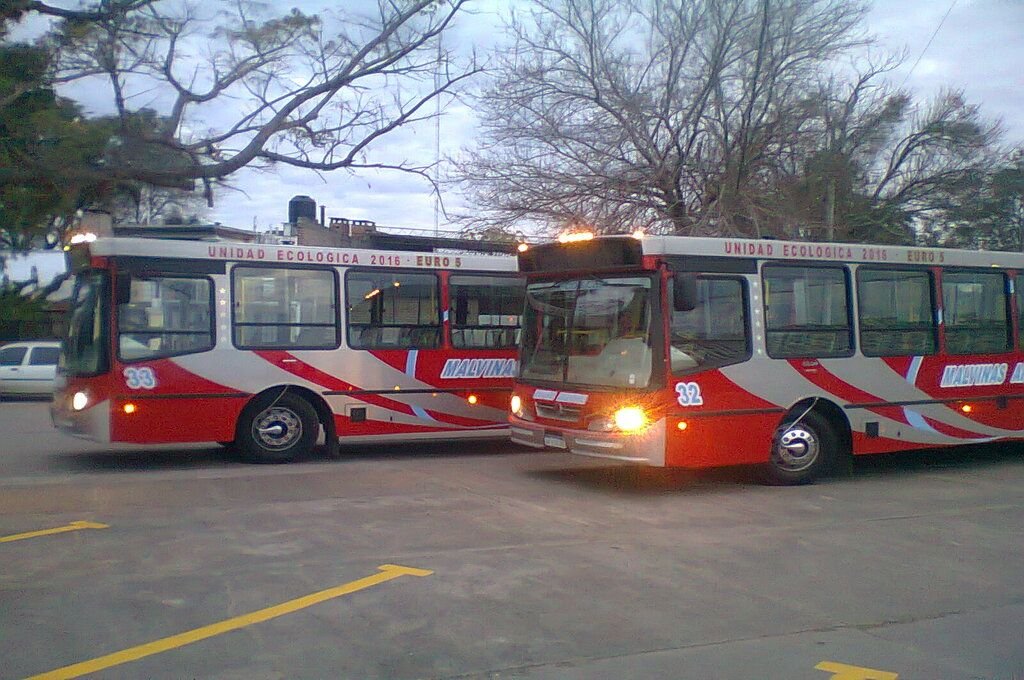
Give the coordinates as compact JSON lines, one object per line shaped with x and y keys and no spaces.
{"x":977,"y":49}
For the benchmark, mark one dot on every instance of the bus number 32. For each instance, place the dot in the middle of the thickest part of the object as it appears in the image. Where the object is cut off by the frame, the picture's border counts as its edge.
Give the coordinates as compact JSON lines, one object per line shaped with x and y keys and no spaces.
{"x":140,"y":378}
{"x":688,"y":394}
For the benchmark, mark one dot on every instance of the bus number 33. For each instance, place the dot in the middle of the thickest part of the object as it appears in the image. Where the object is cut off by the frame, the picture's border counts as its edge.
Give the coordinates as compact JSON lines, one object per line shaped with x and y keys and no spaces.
{"x":140,"y":378}
{"x":688,"y":394}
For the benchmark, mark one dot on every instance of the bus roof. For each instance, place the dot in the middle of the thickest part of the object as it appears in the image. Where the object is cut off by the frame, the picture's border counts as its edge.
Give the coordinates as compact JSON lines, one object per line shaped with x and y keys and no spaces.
{"x":280,"y":254}
{"x":616,"y":250}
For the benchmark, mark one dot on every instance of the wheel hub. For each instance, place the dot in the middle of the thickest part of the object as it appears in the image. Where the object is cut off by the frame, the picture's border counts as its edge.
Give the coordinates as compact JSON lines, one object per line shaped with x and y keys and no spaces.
{"x":277,"y":428}
{"x":796,"y":449}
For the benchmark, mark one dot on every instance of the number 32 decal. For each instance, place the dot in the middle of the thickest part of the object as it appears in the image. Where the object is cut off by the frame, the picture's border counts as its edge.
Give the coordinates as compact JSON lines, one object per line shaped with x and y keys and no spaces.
{"x":688,"y":394}
{"x":140,"y":378}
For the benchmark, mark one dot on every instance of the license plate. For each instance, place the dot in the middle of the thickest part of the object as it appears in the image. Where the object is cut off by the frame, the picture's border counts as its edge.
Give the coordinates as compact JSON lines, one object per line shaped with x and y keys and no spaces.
{"x":555,"y":441}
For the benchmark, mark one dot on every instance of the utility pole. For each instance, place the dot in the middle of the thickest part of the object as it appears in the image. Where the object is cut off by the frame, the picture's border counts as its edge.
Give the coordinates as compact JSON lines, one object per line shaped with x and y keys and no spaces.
{"x":437,"y":139}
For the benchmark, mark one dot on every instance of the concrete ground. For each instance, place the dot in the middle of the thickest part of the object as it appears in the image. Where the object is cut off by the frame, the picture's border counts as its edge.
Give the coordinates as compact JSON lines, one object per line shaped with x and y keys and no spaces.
{"x":535,"y":565}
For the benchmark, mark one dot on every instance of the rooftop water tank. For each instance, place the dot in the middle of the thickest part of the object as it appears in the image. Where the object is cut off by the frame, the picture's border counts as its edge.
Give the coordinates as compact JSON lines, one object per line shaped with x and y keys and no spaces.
{"x":301,"y":206}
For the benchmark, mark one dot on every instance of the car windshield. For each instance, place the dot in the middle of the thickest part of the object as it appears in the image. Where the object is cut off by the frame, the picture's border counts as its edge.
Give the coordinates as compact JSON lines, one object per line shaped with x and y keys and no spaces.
{"x":85,"y":349}
{"x":588,"y":332}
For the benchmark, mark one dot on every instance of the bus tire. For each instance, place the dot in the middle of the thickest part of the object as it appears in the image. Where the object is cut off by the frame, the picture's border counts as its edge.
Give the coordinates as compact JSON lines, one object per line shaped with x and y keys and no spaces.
{"x":276,"y":428}
{"x":802,"y":451}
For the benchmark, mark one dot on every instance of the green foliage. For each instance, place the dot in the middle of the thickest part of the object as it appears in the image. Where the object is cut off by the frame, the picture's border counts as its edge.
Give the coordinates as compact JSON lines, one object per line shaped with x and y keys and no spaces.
{"x":50,"y":156}
{"x":18,"y":307}
{"x":986,"y":211}
{"x":882,"y":173}
{"x":24,"y":317}
{"x":12,"y":11}
{"x":53,"y":160}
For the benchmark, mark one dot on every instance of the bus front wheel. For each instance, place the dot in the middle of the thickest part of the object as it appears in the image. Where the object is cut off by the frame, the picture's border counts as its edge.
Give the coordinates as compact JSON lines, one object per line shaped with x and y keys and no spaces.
{"x":802,"y":450}
{"x":276,"y":428}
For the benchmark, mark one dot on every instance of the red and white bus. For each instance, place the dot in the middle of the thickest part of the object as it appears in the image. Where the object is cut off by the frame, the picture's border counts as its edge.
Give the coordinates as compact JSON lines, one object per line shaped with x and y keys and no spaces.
{"x":700,"y":352}
{"x":269,"y":346}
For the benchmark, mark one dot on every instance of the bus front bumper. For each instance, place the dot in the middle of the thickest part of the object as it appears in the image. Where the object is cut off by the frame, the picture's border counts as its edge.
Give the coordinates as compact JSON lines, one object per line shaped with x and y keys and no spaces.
{"x":646,"y":447}
{"x":92,"y":422}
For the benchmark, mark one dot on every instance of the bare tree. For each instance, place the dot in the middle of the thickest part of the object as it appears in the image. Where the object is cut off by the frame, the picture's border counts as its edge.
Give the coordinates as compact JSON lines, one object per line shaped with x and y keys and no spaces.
{"x":235,"y":88}
{"x":148,"y":204}
{"x":671,"y":115}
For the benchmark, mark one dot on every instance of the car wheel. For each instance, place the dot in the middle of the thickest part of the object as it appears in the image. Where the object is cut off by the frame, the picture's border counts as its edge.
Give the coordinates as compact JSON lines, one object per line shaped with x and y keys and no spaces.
{"x":276,"y":428}
{"x":802,"y":451}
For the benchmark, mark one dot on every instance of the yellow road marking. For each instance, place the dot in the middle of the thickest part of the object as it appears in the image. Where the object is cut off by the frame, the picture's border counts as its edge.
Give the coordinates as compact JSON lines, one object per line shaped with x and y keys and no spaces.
{"x":74,"y":526}
{"x":388,"y":572}
{"x":841,"y":671}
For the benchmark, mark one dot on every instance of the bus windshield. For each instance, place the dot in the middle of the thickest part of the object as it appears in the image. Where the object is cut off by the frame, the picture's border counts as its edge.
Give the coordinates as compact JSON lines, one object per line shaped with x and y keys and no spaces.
{"x":588,"y":332}
{"x":85,"y":348}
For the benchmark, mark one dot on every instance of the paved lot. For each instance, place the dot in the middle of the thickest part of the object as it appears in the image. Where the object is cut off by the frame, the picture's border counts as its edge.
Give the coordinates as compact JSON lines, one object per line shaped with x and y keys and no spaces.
{"x":541,"y":565}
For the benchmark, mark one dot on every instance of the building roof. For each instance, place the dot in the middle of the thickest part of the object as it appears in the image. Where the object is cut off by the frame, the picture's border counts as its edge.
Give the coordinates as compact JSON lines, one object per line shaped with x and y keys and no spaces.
{"x":189,"y":232}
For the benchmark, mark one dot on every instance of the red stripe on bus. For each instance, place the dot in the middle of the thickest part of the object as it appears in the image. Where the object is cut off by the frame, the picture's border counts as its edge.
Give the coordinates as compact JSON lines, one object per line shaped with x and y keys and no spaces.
{"x":313,"y":374}
{"x":829,"y":382}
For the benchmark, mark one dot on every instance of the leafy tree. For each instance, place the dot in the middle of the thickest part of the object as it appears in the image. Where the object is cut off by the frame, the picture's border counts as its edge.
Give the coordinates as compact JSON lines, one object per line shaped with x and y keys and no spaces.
{"x":873,"y":167}
{"x":987,"y":211}
{"x":51,"y":158}
{"x":27,"y":314}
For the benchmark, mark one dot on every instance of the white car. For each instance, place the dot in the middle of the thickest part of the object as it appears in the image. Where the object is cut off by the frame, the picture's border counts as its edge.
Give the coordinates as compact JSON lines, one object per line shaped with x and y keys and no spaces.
{"x":28,"y":367}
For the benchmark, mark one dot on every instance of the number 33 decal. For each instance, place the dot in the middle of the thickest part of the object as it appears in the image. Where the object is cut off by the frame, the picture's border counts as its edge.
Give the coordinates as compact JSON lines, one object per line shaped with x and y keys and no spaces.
{"x":688,"y":394}
{"x":140,"y":378}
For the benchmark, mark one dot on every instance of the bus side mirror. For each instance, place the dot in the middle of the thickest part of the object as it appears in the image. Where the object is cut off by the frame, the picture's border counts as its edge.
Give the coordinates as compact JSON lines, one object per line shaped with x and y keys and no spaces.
{"x":684,"y":292}
{"x":122,"y":289}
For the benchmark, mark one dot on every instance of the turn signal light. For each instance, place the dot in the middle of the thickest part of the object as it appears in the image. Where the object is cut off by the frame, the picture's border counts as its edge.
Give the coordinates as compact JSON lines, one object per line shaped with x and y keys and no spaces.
{"x":681,"y":425}
{"x":966,"y":408}
{"x":129,"y":408}
{"x":515,"y":405}
{"x":472,"y":399}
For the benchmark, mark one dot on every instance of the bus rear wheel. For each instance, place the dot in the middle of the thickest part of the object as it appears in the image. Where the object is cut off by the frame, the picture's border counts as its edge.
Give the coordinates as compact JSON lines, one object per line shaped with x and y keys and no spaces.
{"x":277,"y":428}
{"x":802,"y":450}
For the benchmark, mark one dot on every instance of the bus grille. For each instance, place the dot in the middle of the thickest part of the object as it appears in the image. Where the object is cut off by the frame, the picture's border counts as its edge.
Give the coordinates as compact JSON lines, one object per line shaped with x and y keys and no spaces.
{"x":556,"y":411}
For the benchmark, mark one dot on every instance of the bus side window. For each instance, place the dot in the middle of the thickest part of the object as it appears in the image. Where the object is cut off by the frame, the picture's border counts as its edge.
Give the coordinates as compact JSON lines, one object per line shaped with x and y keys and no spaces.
{"x":392,"y":310}
{"x":486,"y":311}
{"x":807,"y":312}
{"x":975,"y":312}
{"x":714,"y":333}
{"x":294,"y":308}
{"x":164,"y":316}
{"x":1018,"y":287}
{"x":896,"y":312}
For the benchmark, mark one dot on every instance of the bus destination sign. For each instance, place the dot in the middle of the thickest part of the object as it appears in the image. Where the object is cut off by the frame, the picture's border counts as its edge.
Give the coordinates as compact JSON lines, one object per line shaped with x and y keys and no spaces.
{"x":333,"y":256}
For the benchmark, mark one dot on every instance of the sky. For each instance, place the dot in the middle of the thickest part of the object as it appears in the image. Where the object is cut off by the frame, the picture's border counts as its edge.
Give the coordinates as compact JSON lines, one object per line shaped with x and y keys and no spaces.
{"x":974,"y":45}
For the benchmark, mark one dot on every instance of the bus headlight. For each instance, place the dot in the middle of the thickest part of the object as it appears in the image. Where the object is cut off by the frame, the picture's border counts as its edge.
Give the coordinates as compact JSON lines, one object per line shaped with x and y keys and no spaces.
{"x":630,"y":418}
{"x":79,"y":401}
{"x":515,"y":405}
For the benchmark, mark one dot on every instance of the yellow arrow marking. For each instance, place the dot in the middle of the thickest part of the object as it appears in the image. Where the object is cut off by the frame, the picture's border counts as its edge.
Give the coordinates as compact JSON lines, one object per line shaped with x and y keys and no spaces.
{"x":841,"y":671}
{"x":74,"y":526}
{"x":388,"y":572}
